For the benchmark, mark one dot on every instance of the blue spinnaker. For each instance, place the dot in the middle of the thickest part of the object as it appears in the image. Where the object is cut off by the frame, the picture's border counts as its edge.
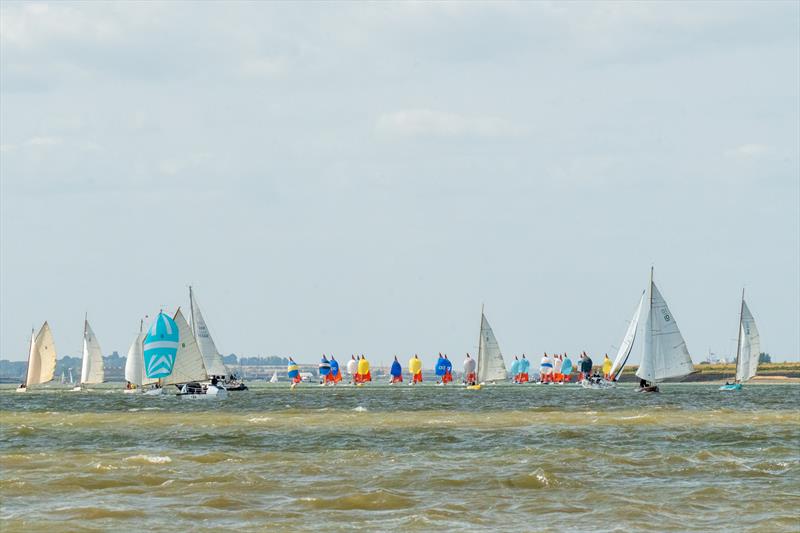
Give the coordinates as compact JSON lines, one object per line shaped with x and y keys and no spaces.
{"x":160,"y":347}
{"x":397,"y":369}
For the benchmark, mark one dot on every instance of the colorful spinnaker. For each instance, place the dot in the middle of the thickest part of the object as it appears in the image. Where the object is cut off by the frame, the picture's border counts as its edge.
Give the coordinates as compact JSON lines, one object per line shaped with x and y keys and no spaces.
{"x":415,"y":369}
{"x":515,"y":369}
{"x":293,"y":371}
{"x":448,"y":370}
{"x":324,"y":369}
{"x":524,"y":366}
{"x":160,"y":347}
{"x":335,"y":375}
{"x":363,"y":375}
{"x":396,"y":371}
{"x":470,"y":377}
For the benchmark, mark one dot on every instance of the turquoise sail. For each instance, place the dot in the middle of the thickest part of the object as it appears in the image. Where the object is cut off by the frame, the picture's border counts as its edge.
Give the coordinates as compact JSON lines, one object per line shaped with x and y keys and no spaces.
{"x":160,"y":347}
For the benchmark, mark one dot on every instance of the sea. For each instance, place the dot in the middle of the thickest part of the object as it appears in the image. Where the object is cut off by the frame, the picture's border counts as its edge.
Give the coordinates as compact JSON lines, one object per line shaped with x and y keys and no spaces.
{"x":380,"y":458}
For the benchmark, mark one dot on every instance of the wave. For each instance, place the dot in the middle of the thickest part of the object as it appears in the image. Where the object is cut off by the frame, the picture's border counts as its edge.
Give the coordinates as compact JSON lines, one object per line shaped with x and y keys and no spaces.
{"x":149,"y":459}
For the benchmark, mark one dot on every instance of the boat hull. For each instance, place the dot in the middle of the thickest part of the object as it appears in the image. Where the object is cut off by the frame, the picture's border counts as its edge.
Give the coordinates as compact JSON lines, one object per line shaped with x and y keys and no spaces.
{"x":209,"y":393}
{"x":602,"y":384}
{"x":731,"y":386}
{"x":21,"y":389}
{"x":651,"y":388}
{"x":474,"y":387}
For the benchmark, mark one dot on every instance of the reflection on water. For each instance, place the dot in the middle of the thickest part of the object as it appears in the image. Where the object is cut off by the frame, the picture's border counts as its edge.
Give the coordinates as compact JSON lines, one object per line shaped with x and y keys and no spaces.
{"x":526,"y":457}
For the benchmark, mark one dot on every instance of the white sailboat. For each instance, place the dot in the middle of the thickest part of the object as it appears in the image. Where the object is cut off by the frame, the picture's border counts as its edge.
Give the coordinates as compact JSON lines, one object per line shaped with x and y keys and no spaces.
{"x":623,"y":354}
{"x":215,"y":366}
{"x":274,"y":378}
{"x":41,"y":359}
{"x":189,"y":369}
{"x":134,"y":364}
{"x":665,"y":355}
{"x":490,"y":366}
{"x":92,"y":364}
{"x":748,"y":349}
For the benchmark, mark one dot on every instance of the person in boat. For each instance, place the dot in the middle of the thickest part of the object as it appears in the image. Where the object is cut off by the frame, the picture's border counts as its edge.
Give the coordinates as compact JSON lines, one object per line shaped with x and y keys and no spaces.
{"x":566,"y":369}
{"x":415,"y":369}
{"x":607,"y":368}
{"x":524,"y":366}
{"x":363,"y":375}
{"x":515,"y":370}
{"x":352,"y":368}
{"x":335,"y":375}
{"x":546,"y":369}
{"x":396,"y":371}
{"x":214,"y":380}
{"x":448,"y":371}
{"x":470,"y":378}
{"x":293,"y":371}
{"x":324,"y":370}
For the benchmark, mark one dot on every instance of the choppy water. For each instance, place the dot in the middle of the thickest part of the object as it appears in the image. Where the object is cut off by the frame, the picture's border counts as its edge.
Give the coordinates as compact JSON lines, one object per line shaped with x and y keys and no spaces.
{"x":510,"y":458}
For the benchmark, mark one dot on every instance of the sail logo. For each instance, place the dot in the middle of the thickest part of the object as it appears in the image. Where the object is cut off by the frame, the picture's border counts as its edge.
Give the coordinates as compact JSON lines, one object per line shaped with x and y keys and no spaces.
{"x":667,"y":317}
{"x":160,"y":347}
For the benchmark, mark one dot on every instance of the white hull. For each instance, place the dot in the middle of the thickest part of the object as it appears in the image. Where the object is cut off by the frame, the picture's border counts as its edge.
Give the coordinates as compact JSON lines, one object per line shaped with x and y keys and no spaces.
{"x":131,"y":391}
{"x":76,"y":389}
{"x":601,"y":384}
{"x":154,"y":392}
{"x":21,"y":389}
{"x":211,"y":393}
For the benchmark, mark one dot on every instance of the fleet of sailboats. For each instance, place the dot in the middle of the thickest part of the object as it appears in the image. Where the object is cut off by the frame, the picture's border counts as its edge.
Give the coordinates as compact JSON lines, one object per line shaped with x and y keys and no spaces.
{"x":174,"y":351}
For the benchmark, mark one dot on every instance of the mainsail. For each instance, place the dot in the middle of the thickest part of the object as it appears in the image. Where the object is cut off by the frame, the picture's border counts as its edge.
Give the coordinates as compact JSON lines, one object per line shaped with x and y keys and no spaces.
{"x":274,"y":378}
{"x":749,"y":346}
{"x":92,"y":366}
{"x":134,"y":363}
{"x":627,"y":343}
{"x":189,"y":364}
{"x":42,"y":357}
{"x":211,"y":357}
{"x":665,"y":354}
{"x":491,"y":366}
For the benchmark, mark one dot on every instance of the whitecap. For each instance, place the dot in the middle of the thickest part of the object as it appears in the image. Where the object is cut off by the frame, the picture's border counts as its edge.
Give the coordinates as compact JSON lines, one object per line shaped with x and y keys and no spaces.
{"x":257,"y":419}
{"x":360,"y":409}
{"x":152,"y":459}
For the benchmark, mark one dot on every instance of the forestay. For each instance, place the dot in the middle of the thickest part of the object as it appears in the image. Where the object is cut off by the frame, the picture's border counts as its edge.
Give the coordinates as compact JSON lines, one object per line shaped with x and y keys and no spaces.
{"x":211,"y":357}
{"x":491,"y":366}
{"x":189,"y":364}
{"x":42,"y":357}
{"x":665,"y":353}
{"x":749,"y":346}
{"x":92,"y":365}
{"x":627,"y":342}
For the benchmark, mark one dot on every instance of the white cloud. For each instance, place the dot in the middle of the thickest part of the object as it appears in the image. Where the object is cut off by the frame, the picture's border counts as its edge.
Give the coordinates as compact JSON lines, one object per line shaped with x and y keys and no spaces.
{"x":426,"y":122}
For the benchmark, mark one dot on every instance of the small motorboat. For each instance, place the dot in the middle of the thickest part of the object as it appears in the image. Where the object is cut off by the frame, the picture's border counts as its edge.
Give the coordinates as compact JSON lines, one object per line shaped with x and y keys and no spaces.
{"x":196,"y":391}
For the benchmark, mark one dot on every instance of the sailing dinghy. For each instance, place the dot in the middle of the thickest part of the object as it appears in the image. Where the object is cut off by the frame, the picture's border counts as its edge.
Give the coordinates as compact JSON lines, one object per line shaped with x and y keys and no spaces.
{"x":490,"y":367}
{"x":274,"y":378}
{"x":623,"y":354}
{"x":664,"y":355}
{"x":41,"y":359}
{"x":92,"y":365}
{"x":748,"y":349}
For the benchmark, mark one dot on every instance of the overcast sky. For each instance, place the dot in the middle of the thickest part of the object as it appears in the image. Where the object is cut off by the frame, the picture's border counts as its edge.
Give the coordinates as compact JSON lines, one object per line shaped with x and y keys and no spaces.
{"x":358,"y":177}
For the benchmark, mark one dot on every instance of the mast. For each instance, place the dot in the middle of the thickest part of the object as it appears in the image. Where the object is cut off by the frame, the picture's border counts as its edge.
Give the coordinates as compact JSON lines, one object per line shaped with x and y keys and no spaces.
{"x":480,"y":344}
{"x":28,"y":367}
{"x":650,"y":309}
{"x":83,"y":347}
{"x":739,"y":337}
{"x":191,"y":311}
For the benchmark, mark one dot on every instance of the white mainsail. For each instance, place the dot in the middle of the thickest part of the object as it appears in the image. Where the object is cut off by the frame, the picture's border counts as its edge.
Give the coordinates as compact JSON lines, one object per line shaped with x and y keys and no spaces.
{"x":211,"y":357}
{"x":134,"y":363}
{"x":274,"y":378}
{"x":189,"y":364}
{"x":491,"y":366}
{"x":627,"y":342}
{"x":42,"y":357}
{"x":665,"y":354}
{"x":749,"y":346}
{"x":92,"y":366}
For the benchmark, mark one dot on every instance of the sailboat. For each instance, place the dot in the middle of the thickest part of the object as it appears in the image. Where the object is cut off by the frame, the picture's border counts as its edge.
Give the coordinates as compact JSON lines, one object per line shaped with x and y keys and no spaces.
{"x":41,"y":359}
{"x":490,"y":367}
{"x":664,"y":355}
{"x":274,"y":378}
{"x":623,"y":354}
{"x":748,"y":349}
{"x":92,"y":364}
{"x":189,"y":368}
{"x":211,"y":357}
{"x":134,"y":365}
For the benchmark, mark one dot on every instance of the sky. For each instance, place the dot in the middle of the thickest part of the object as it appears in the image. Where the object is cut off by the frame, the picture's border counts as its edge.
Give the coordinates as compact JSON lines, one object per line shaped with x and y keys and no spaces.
{"x":360,"y":178}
